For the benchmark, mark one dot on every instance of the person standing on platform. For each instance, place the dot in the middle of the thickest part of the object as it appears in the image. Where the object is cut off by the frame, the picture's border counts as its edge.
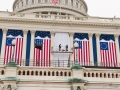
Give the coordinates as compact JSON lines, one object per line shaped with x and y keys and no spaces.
{"x":66,"y":47}
{"x":59,"y":47}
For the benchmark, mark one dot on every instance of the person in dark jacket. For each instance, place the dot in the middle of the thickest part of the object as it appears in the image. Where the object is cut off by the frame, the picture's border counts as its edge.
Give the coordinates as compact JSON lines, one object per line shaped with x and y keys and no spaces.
{"x":66,"y":47}
{"x":59,"y":47}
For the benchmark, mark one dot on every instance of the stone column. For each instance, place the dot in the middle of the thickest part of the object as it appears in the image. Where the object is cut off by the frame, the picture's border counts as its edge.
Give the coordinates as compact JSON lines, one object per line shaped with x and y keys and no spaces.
{"x":32,"y":47}
{"x":4,"y":30}
{"x":117,"y":48}
{"x":91,"y":49}
{"x":24,"y":47}
{"x":52,"y":48}
{"x":98,"y":48}
{"x":71,"y":34}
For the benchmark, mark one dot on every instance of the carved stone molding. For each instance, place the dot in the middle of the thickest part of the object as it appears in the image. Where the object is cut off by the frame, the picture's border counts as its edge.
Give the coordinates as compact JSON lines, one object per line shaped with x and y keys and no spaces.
{"x":71,"y":33}
{"x":116,"y":35}
{"x":90,"y":34}
{"x":9,"y":87}
{"x":52,"y":33}
{"x":4,"y":30}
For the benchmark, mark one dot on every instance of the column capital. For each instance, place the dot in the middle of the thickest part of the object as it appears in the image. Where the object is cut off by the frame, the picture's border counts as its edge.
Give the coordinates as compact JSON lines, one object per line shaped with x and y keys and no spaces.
{"x":97,"y":34}
{"x":116,"y":35}
{"x":4,"y":30}
{"x":90,"y":34}
{"x":25,"y":31}
{"x":71,"y":33}
{"x":33,"y":31}
{"x":52,"y":32}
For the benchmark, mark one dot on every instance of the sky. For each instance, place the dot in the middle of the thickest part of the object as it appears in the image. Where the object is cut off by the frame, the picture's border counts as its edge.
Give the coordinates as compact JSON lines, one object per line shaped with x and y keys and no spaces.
{"x":98,"y":8}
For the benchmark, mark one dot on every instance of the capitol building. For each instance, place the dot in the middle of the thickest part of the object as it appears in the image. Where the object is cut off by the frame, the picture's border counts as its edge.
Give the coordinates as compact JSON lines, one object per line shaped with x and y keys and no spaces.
{"x":56,"y":45}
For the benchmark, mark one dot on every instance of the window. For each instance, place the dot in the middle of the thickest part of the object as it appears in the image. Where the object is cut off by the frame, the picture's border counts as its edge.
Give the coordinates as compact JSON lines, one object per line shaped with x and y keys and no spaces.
{"x":22,"y":4}
{"x":66,"y":2}
{"x":59,"y":1}
{"x":39,"y":1}
{"x":32,"y":1}
{"x":71,"y":2}
{"x":77,"y":5}
{"x":26,"y":2}
{"x":46,"y":1}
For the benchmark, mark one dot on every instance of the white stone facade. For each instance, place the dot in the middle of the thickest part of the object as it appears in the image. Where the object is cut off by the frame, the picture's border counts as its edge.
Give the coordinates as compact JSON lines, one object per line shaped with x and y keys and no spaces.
{"x":29,"y":16}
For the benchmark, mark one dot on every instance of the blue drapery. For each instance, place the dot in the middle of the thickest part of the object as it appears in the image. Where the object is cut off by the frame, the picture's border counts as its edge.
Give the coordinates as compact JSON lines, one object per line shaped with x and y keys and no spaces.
{"x":15,"y":32}
{"x":1,"y":35}
{"x":43,"y":34}
{"x":107,"y":37}
{"x":94,"y":49}
{"x":28,"y":42}
{"x":81,"y":36}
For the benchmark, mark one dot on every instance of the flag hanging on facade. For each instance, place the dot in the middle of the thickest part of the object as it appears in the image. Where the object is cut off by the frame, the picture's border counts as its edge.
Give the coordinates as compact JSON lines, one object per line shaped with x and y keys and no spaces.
{"x":55,"y":1}
{"x":83,"y":54}
{"x":17,"y":49}
{"x":108,"y":53}
{"x":42,"y":57}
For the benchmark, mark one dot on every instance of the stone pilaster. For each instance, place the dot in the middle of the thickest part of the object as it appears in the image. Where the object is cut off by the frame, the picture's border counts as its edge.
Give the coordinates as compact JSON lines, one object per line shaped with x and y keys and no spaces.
{"x":71,"y":34}
{"x":98,"y":48}
{"x":117,"y":48}
{"x":91,"y":48}
{"x":32,"y":47}
{"x":52,"y":48}
{"x":4,"y":30}
{"x":24,"y":47}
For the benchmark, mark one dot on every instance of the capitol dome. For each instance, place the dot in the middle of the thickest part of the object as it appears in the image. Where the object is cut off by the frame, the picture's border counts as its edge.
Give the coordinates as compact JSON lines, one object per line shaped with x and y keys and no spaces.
{"x":63,"y":7}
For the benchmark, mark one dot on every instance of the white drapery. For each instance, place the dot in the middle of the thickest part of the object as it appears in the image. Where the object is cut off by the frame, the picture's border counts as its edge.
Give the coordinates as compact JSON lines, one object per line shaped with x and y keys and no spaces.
{"x":63,"y":39}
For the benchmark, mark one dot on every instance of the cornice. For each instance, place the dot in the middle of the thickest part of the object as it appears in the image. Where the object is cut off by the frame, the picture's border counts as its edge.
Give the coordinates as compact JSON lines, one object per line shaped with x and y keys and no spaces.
{"x":59,"y":23}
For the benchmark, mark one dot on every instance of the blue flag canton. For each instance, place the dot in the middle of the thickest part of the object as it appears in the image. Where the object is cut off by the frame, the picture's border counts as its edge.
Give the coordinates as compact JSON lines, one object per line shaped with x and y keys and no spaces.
{"x":104,"y":45}
{"x":9,"y":41}
{"x":38,"y":41}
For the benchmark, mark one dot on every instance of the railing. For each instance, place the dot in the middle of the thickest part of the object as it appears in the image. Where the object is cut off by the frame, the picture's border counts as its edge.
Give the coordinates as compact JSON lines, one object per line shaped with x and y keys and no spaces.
{"x":58,"y":63}
{"x":57,"y":17}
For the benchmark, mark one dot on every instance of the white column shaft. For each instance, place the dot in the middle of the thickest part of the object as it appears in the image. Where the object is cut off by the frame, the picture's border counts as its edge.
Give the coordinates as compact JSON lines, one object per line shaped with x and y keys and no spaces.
{"x":117,"y":49}
{"x":71,"y":48}
{"x":52,"y":46}
{"x":24,"y":47}
{"x":3,"y":45}
{"x":91,"y":49}
{"x":98,"y":49}
{"x":32,"y":48}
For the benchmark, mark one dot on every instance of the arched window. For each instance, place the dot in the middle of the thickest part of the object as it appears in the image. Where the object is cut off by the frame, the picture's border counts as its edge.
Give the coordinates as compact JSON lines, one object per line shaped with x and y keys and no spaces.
{"x":39,"y":1}
{"x":66,"y":2}
{"x":59,"y":1}
{"x":77,"y":4}
{"x":32,"y":1}
{"x":26,"y":2}
{"x":46,"y":1}
{"x":71,"y":2}
{"x":22,"y":4}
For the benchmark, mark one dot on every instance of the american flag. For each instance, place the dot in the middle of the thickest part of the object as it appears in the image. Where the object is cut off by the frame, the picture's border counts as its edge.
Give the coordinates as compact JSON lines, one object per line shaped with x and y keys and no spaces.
{"x":55,"y":1}
{"x":42,"y":57}
{"x":17,"y":50}
{"x":83,"y":53}
{"x":108,"y":53}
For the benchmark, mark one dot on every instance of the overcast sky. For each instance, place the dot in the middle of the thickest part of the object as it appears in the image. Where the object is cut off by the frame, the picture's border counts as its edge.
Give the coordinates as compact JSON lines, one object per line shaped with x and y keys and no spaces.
{"x":100,"y":8}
